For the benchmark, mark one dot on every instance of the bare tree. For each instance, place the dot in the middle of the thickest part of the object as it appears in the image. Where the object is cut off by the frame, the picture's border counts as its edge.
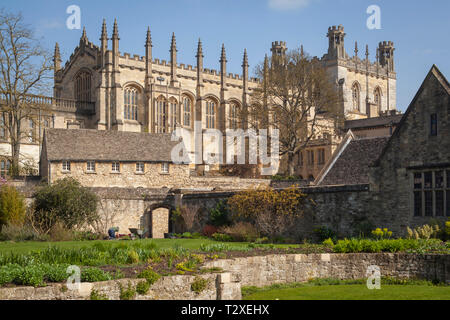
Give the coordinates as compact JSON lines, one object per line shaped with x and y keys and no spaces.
{"x":297,"y":97}
{"x":24,"y":70}
{"x":107,"y":214}
{"x":189,"y":214}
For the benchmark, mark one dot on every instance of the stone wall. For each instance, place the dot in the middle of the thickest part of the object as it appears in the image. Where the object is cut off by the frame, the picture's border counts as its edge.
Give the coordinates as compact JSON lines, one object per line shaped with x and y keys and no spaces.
{"x":267,"y":270}
{"x":219,"y":287}
{"x":256,"y":271}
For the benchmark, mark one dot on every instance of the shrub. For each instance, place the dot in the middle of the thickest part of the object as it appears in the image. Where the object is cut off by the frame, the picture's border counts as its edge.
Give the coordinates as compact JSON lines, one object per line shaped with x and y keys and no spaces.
{"x":32,"y":275}
{"x":222,"y":237}
{"x":55,"y":273}
{"x":143,"y":287}
{"x":328,"y":242}
{"x":12,"y":232}
{"x":59,"y":233}
{"x":94,"y":275}
{"x":95,"y":295}
{"x":241,"y":231}
{"x":127,"y":294}
{"x":12,"y":206}
{"x":72,"y":204}
{"x":199,"y":284}
{"x":149,"y":275}
{"x":187,"y":235}
{"x":272,"y":212}
{"x":219,"y":216}
{"x":209,"y":230}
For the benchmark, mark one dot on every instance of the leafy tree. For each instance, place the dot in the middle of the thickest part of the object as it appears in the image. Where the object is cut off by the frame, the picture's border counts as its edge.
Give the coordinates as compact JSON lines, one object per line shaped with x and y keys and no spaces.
{"x":67,"y":202}
{"x":12,"y":206}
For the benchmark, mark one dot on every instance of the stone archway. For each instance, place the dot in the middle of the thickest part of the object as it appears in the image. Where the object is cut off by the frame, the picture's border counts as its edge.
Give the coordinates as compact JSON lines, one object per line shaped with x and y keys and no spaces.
{"x":159,"y":220}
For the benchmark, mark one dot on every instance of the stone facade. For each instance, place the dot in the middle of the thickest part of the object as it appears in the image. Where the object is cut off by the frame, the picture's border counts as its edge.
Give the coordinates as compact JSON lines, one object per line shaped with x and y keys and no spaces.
{"x":414,"y":169}
{"x":101,"y":88}
{"x":178,"y":175}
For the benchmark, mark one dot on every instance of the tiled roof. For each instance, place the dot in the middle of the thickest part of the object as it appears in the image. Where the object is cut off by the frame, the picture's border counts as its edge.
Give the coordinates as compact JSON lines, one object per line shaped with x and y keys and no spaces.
{"x":373,"y":122}
{"x":99,"y":145}
{"x":352,"y":166}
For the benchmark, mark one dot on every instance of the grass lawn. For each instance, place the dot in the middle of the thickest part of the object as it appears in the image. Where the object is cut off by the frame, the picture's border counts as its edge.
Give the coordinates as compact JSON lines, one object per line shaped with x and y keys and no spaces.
{"x":194,"y":244}
{"x":355,"y":292}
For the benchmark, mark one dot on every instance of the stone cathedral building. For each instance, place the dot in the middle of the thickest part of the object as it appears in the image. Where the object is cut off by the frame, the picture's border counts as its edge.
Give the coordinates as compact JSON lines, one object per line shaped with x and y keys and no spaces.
{"x":108,"y":89}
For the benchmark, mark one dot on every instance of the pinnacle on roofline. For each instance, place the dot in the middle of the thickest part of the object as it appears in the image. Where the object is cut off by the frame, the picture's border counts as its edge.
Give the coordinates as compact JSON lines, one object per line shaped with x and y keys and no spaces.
{"x":148,"y":41}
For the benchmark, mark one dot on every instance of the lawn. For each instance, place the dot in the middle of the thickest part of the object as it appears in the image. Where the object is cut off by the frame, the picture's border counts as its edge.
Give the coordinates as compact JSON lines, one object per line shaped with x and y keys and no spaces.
{"x":355,"y":292}
{"x":193,"y":244}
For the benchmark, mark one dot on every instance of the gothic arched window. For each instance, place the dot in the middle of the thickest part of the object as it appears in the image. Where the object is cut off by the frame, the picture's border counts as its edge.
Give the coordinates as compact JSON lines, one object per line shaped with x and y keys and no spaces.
{"x":210,"y":114}
{"x":173,"y":106}
{"x":355,"y":96}
{"x":83,"y":87}
{"x":161,"y":115}
{"x":187,"y":107}
{"x":234,"y":115}
{"x":130,"y":105}
{"x":377,"y":98}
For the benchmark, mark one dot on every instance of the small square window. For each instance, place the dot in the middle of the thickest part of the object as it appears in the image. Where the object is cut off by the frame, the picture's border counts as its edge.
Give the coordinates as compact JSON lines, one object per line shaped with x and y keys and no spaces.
{"x":164,"y":167}
{"x":66,"y":166}
{"x":116,"y":167}
{"x":140,"y":167}
{"x":90,"y":166}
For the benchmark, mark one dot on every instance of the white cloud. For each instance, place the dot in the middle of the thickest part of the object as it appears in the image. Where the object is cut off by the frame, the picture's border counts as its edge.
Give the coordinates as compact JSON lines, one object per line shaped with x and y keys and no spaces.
{"x":288,"y":4}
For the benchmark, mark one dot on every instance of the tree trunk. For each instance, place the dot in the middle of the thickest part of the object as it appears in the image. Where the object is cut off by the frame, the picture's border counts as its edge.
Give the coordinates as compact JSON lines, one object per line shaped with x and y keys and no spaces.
{"x":291,"y":165}
{"x":15,"y":152}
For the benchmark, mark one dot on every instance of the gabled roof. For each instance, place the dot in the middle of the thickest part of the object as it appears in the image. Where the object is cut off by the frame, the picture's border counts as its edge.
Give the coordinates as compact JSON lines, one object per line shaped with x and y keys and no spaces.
{"x":352,"y":160}
{"x":99,"y":145}
{"x":373,"y":122}
{"x":434,"y":72}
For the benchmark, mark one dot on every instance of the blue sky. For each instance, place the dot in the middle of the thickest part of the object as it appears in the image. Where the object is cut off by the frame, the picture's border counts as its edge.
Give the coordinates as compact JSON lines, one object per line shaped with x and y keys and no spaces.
{"x":419,"y":29}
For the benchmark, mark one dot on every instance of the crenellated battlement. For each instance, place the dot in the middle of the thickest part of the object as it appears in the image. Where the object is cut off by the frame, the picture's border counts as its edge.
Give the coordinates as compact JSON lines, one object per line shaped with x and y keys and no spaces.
{"x":339,"y":28}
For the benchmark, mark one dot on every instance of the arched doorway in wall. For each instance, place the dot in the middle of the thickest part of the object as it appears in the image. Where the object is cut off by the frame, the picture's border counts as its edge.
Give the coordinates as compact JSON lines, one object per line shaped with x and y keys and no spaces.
{"x":159,"y":221}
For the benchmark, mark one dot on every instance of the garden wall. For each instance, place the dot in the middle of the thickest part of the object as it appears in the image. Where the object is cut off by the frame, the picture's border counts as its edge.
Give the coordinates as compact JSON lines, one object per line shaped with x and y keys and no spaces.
{"x":219,"y":287}
{"x":266,"y":270}
{"x":255,"y":271}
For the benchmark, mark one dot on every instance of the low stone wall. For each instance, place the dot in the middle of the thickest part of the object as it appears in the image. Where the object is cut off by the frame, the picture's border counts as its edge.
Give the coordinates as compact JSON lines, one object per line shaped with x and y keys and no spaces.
{"x":255,"y":271}
{"x":219,"y":287}
{"x":266,"y":270}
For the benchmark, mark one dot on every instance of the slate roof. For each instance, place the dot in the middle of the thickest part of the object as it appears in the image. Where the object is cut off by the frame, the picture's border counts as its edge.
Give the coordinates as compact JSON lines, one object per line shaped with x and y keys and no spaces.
{"x":352,"y":166}
{"x":99,"y":145}
{"x":373,"y":122}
